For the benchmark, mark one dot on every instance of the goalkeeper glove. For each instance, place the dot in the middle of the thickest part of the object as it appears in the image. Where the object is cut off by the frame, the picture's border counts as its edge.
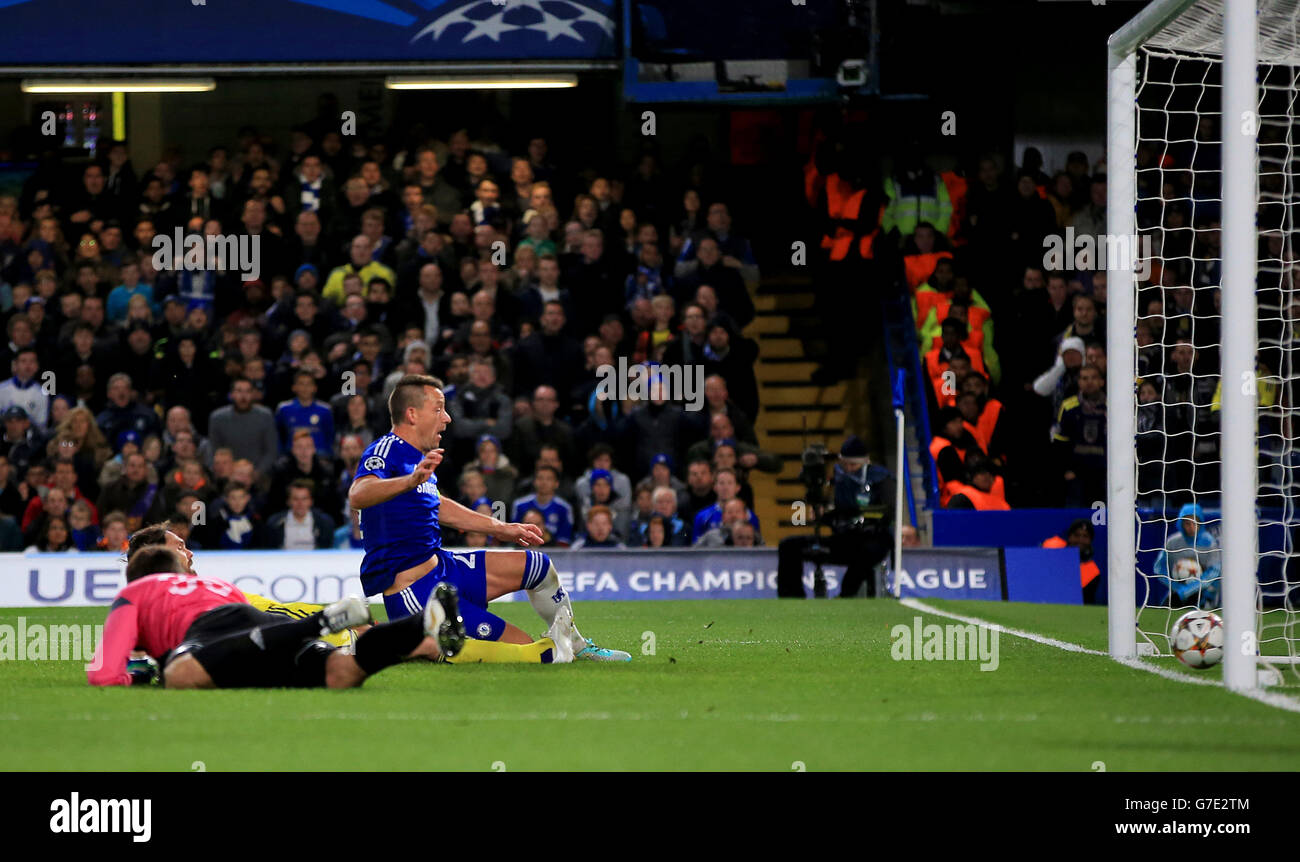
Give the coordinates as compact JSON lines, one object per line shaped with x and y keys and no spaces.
{"x":143,"y":671}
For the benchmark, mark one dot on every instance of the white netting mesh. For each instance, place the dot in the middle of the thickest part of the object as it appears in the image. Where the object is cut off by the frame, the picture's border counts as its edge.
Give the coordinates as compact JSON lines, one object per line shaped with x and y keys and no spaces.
{"x":1178,"y":305}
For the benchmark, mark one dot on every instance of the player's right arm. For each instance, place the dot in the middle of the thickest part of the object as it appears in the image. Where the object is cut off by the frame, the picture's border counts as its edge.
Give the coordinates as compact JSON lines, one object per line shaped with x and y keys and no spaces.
{"x":121,"y":632}
{"x":370,"y":490}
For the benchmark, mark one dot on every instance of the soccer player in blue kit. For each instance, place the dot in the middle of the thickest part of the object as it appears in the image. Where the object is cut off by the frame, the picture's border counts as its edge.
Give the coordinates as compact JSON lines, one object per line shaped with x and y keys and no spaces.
{"x":397,"y":492}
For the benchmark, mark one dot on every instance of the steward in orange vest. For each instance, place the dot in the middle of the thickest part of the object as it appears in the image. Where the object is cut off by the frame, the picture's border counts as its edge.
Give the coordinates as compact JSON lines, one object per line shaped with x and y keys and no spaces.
{"x":949,"y":447}
{"x":985,"y":491}
{"x":851,"y":218}
{"x":940,"y":357}
{"x":1080,"y":535}
{"x":956,"y":185}
{"x":921,"y":254}
{"x":982,"y":415}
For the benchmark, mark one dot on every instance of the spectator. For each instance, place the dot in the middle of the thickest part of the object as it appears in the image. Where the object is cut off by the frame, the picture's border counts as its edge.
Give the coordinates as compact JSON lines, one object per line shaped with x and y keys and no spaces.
{"x":734,"y":514}
{"x":1080,"y":440}
{"x":718,"y":402}
{"x":602,"y":494}
{"x":305,"y":412}
{"x":304,"y":462}
{"x":733,"y":357}
{"x":1061,"y":380}
{"x":116,"y":534}
{"x":85,"y":534}
{"x":124,"y":412}
{"x":726,"y":486}
{"x":556,"y":513}
{"x":133,"y":494}
{"x":600,"y":530}
{"x":53,"y":536}
{"x":549,"y":357}
{"x":733,"y":296}
{"x":24,"y":389}
{"x":241,"y":521}
{"x":12,"y":502}
{"x":481,"y":408}
{"x":65,"y":480}
{"x":676,"y":533}
{"x":499,"y":475}
{"x":541,"y":428}
{"x":303,"y":527}
{"x":247,"y":429}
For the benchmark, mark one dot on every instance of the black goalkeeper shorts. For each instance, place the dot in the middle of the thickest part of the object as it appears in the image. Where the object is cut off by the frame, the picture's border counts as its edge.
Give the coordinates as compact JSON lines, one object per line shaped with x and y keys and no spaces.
{"x":224,"y":641}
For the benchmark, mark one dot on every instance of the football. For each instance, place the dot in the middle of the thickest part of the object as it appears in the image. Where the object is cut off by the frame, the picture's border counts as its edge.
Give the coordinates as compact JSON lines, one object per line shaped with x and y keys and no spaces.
{"x":1187,"y":568}
{"x":1197,"y":639}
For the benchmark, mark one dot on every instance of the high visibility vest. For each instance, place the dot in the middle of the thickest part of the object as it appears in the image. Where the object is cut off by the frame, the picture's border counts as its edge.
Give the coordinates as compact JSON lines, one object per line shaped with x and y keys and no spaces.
{"x":906,"y":213}
{"x":973,"y":345}
{"x":935,"y":369}
{"x":842,"y":205}
{"x":919,"y":267}
{"x":956,"y":186}
{"x":1088,"y":572}
{"x":867,"y":245}
{"x":937,"y":444}
{"x":813,"y":182}
{"x":926,"y":299}
{"x":988,"y":421}
{"x":994,"y":499}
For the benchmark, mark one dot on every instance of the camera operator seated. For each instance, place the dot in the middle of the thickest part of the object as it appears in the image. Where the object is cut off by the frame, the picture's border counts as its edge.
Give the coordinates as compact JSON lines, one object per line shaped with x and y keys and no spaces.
{"x":860,"y":523}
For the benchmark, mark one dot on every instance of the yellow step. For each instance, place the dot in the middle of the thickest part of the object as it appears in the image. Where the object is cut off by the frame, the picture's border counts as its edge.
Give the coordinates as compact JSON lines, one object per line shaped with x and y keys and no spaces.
{"x":780,"y":348}
{"x":793,"y":444}
{"x":819,"y":396}
{"x":792,"y":420}
{"x":794,"y":371}
{"x":769,"y":324}
{"x":783,"y":301}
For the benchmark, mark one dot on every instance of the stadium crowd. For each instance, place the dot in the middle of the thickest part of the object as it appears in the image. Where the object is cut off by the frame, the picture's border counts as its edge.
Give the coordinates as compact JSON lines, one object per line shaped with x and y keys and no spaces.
{"x":1010,"y":315}
{"x":147,"y":388}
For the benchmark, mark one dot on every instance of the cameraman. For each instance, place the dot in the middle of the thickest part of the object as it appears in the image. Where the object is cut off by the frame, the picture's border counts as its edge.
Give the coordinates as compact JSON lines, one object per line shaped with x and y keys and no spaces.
{"x":858,"y":542}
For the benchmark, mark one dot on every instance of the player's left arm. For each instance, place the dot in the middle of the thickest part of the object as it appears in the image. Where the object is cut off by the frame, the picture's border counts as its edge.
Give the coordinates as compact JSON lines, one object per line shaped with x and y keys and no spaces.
{"x":456,"y":516}
{"x":121,"y":631}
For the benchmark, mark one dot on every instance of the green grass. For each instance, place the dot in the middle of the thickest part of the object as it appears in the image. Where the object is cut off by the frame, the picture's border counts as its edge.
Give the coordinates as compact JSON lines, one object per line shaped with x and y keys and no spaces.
{"x":733,"y":685}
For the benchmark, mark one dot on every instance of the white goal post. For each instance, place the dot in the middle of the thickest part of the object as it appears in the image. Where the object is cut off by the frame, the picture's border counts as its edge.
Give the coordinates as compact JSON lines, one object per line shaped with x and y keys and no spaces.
{"x":1208,"y":51}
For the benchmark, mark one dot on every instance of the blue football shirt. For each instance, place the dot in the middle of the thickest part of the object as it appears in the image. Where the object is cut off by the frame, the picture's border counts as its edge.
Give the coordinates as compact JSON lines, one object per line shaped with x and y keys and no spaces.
{"x":403,"y":532}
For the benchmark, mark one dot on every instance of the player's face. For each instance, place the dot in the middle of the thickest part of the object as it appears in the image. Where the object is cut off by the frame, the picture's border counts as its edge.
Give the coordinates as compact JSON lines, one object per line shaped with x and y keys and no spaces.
{"x":431,"y":419}
{"x":177,"y":544}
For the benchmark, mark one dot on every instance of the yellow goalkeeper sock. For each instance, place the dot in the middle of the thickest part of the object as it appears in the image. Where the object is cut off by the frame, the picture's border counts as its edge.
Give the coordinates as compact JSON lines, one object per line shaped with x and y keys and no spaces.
{"x":495,"y":652}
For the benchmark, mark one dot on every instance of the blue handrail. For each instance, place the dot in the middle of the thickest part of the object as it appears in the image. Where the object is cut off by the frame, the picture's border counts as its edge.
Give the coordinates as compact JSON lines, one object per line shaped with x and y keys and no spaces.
{"x":902,"y":352}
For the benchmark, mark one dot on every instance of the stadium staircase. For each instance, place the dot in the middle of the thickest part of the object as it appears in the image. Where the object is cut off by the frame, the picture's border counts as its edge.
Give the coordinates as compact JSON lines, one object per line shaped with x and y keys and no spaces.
{"x":790,"y":346}
{"x":792,"y":342}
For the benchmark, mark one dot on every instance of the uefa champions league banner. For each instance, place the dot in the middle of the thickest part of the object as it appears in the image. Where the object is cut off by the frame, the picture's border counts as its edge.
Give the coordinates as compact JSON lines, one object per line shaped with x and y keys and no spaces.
{"x":82,"y":580}
{"x":948,"y":573}
{"x":47,"y":32}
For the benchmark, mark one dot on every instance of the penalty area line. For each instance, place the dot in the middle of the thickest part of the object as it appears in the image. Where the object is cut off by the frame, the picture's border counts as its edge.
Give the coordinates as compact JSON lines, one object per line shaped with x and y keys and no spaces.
{"x":1268,"y":698}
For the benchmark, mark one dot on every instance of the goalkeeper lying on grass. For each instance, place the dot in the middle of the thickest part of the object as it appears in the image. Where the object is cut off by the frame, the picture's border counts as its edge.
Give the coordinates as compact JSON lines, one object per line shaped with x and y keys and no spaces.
{"x":473,"y":652}
{"x":206,"y":635}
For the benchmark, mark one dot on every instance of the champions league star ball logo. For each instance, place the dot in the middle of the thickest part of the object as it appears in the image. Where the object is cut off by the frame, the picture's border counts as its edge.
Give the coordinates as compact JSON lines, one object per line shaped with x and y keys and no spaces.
{"x":556,"y":19}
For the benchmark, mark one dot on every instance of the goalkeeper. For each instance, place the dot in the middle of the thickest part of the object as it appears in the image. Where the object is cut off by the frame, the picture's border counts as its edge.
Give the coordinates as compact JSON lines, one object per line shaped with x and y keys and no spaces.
{"x":1189,"y":563}
{"x":208,"y":636}
{"x":541,"y":651}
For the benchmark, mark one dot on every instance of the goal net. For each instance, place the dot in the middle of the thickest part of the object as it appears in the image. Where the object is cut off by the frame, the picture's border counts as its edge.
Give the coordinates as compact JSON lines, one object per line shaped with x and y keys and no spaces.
{"x":1167,"y":160}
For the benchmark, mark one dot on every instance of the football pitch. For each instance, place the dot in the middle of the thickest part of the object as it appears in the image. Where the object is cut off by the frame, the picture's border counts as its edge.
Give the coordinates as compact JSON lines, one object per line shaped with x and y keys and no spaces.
{"x":729,"y":685}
